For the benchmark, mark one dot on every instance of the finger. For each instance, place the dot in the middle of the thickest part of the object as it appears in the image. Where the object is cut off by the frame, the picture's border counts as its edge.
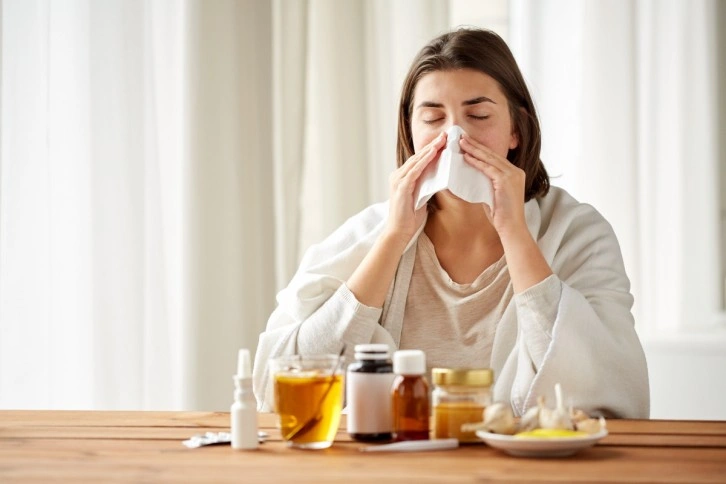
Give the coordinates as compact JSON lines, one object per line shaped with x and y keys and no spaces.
{"x":488,"y":211}
{"x":401,"y":175}
{"x":440,"y":140}
{"x":501,"y":178}
{"x":415,"y":173}
{"x":478,"y":150}
{"x":488,"y":169}
{"x":412,"y":162}
{"x":435,"y":144}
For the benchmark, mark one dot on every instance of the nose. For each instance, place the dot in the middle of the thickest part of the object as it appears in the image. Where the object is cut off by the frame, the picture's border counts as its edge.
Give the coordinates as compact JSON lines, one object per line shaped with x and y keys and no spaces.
{"x":452,"y":121}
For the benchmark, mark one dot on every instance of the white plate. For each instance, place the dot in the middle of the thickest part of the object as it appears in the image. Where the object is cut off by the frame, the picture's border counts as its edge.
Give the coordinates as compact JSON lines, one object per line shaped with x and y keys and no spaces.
{"x":538,"y":447}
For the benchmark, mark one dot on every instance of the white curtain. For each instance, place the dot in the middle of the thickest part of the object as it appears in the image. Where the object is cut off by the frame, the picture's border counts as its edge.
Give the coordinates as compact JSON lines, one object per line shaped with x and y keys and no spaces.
{"x":163,"y":165}
{"x":135,"y":200}
{"x":339,"y":70}
{"x":228,"y":260}
{"x":626,"y":91}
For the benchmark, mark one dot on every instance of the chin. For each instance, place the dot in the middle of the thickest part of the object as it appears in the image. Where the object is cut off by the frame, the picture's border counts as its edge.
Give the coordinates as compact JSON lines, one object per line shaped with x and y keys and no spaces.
{"x":450,"y":197}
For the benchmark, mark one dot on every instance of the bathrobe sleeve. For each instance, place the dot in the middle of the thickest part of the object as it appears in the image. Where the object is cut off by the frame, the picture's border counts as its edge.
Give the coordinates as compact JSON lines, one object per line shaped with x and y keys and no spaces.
{"x":316,"y":312}
{"x":576,"y":327}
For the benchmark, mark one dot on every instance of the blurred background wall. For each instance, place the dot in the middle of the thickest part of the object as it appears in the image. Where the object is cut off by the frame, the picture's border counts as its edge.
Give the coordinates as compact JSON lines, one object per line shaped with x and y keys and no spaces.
{"x":164,"y":164}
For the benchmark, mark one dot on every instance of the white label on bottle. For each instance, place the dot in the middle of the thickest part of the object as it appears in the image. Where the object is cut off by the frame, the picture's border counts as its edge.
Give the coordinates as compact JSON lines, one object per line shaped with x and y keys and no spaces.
{"x":368,"y":398}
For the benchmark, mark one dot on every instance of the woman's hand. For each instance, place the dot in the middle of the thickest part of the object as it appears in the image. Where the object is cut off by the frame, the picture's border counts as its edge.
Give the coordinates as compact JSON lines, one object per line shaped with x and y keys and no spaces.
{"x":527,"y":266}
{"x":371,"y":280}
{"x":507,"y":214}
{"x":403,"y":220}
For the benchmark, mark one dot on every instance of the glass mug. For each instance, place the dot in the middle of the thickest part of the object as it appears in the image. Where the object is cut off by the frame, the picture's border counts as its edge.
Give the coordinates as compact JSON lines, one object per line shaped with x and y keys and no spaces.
{"x":308,"y":394}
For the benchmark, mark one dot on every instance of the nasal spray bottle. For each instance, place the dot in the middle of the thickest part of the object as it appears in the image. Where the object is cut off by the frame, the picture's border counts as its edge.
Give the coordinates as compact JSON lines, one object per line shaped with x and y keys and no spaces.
{"x":244,"y":409}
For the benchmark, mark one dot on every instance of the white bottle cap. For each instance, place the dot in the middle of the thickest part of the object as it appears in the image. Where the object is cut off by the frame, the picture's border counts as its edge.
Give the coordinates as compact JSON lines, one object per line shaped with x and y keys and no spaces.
{"x":409,"y":362}
{"x":244,"y":368}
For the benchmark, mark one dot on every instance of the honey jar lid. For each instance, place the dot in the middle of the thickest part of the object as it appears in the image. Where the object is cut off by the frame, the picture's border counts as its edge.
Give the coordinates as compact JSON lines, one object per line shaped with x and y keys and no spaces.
{"x":475,"y":377}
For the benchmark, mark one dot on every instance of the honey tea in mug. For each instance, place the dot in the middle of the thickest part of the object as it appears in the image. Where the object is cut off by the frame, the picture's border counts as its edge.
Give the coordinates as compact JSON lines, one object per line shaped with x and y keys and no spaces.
{"x":308,"y":403}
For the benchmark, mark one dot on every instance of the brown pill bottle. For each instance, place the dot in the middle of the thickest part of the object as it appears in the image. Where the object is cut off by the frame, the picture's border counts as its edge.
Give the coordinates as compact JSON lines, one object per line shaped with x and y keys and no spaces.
{"x":410,"y":400}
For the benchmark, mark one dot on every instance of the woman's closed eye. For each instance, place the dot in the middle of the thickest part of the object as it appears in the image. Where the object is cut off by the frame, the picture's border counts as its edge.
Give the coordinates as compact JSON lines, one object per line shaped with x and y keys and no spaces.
{"x":435,"y":120}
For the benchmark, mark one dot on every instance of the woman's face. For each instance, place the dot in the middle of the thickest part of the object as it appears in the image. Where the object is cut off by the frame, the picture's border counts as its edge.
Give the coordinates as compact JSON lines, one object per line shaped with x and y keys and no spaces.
{"x":463,"y":97}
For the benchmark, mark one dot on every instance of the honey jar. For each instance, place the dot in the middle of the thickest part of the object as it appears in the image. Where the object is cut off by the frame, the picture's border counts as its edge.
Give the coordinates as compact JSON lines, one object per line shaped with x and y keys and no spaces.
{"x":460,"y":396}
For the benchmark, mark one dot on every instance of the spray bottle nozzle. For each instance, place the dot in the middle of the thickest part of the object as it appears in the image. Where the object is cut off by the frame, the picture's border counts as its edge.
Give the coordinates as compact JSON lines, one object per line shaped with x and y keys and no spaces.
{"x":244,"y":368}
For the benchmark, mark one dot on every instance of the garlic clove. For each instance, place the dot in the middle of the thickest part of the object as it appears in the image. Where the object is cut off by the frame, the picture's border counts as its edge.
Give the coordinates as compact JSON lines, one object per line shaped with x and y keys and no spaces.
{"x":577,"y":415}
{"x":473,"y":427}
{"x":499,"y":418}
{"x":590,"y":425}
{"x":530,"y":419}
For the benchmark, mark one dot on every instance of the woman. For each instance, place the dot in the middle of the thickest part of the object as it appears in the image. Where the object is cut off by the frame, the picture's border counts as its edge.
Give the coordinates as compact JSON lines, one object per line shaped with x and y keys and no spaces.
{"x":533,"y":286}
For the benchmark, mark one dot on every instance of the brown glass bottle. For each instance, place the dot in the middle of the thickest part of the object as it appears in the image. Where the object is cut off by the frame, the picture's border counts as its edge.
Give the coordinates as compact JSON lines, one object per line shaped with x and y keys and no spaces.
{"x":410,"y":401}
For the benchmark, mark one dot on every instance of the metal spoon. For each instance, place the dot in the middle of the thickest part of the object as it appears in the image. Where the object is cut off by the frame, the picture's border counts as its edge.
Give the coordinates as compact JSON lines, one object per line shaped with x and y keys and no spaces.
{"x":305,"y":427}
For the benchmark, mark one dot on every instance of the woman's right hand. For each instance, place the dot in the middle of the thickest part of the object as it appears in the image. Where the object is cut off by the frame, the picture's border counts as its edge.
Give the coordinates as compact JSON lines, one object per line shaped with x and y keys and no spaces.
{"x":403,"y":220}
{"x":369,"y":283}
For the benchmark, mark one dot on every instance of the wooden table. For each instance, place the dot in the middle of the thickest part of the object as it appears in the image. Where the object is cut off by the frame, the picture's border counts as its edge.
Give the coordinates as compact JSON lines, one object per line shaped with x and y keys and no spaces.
{"x":93,"y":446}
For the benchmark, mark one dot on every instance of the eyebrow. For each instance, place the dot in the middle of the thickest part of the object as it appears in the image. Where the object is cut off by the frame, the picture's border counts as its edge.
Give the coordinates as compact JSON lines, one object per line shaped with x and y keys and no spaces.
{"x":468,"y":102}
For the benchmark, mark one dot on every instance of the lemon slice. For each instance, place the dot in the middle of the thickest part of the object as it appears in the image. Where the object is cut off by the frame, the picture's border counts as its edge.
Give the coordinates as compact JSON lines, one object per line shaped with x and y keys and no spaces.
{"x":550,"y":434}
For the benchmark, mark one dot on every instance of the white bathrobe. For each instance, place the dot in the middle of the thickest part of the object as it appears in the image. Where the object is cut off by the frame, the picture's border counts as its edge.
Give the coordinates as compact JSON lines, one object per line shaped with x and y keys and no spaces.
{"x":590,"y":347}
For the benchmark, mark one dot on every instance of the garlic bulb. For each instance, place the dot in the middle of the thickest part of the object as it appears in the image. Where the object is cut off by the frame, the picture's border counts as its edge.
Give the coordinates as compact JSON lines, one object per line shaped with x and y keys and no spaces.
{"x":530,"y":419}
{"x":559,"y":418}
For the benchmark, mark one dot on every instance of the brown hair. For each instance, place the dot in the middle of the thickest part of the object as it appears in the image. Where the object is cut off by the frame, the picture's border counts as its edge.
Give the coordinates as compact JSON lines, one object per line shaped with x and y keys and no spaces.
{"x":483,"y":51}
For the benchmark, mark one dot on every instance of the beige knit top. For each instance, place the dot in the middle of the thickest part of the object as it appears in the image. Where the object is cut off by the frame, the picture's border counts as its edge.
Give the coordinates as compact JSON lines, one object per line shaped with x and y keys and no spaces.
{"x":453,"y":323}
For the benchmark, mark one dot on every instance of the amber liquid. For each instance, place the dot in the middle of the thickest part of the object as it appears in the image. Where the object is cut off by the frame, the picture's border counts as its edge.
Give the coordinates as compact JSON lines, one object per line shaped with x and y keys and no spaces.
{"x":450,"y":416}
{"x":300,"y":398}
{"x":410,"y":408}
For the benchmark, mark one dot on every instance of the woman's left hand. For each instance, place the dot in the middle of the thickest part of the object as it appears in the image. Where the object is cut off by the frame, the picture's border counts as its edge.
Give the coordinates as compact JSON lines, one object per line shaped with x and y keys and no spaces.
{"x":507,"y":214}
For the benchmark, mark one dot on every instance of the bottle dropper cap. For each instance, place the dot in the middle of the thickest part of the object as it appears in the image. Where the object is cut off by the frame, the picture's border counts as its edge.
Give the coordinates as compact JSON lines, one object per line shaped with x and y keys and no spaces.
{"x":409,"y":362}
{"x":372,"y":352}
{"x":244,"y":368}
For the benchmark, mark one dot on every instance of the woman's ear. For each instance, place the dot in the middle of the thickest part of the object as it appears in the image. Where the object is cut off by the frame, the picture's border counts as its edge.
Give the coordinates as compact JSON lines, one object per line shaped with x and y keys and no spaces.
{"x":514,"y":135}
{"x":513,"y":138}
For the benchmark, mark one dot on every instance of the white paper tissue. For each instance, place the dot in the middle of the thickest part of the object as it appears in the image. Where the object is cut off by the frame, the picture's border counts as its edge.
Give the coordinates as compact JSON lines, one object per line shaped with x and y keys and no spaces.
{"x":456,"y":175}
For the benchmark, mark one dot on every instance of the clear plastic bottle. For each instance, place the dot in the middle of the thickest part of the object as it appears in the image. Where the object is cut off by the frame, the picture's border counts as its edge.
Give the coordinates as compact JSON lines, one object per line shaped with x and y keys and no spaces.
{"x":368,"y":393}
{"x":460,"y":396}
{"x":410,"y":401}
